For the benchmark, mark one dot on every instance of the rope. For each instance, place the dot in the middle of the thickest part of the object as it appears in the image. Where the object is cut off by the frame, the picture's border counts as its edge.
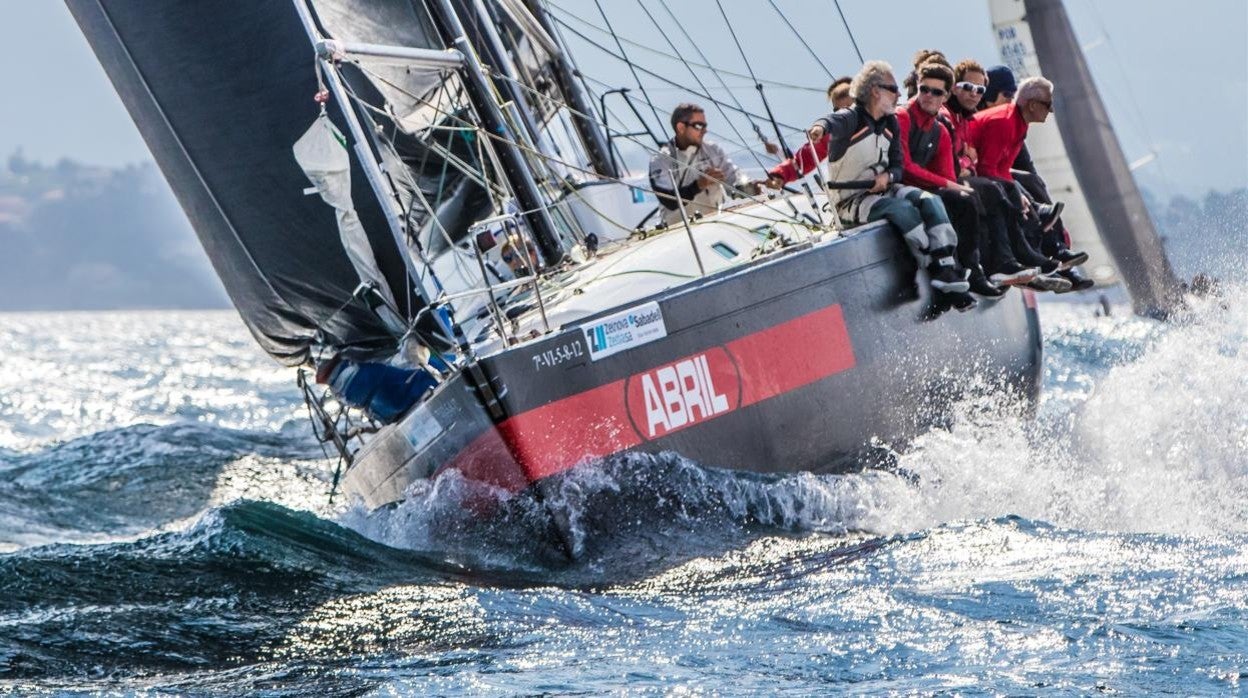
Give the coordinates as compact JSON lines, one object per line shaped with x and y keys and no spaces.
{"x":727,"y":185}
{"x":521,"y":146}
{"x":536,"y":153}
{"x":849,"y":31}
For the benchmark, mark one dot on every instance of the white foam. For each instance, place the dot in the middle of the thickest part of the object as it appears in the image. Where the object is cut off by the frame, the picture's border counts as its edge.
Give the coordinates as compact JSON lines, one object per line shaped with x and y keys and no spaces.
{"x":1156,"y":442}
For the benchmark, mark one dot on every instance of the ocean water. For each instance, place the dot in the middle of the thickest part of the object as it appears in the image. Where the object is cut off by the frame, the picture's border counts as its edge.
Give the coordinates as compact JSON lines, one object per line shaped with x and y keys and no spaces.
{"x":165,"y":528}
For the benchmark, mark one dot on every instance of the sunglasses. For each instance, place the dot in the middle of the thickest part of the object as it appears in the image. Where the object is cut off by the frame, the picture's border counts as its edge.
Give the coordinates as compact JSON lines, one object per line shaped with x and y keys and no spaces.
{"x":699,"y":125}
{"x":890,"y":88}
{"x":933,"y":91}
{"x":1047,"y":105}
{"x":972,"y":87}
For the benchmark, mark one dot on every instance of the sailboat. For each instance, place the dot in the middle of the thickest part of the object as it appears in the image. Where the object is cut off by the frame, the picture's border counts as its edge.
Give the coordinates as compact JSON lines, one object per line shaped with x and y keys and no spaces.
{"x":416,"y":202}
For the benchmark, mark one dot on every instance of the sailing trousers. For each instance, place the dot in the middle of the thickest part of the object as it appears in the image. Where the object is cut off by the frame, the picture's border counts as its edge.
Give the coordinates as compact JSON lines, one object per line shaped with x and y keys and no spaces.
{"x":1058,"y":237}
{"x":921,"y":219}
{"x":998,"y":223}
{"x":966,"y":213}
{"x":1024,"y":232}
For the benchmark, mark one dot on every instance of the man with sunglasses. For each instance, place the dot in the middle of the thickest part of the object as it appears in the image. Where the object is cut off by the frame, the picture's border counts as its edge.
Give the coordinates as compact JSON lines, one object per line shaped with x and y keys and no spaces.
{"x":997,"y":134}
{"x":692,"y":169}
{"x":1051,"y":240}
{"x":863,"y":149}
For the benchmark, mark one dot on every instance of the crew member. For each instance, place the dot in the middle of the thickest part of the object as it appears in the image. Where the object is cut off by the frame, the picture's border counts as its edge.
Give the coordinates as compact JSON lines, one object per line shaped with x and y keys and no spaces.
{"x":693,"y":170}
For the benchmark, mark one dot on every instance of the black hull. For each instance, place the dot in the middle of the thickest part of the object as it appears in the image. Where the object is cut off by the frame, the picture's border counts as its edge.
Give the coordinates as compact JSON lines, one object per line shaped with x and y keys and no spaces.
{"x":796,"y":363}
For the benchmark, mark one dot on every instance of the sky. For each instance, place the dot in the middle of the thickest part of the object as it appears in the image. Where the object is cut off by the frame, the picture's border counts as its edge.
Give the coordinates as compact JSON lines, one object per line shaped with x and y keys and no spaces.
{"x":1173,"y":75}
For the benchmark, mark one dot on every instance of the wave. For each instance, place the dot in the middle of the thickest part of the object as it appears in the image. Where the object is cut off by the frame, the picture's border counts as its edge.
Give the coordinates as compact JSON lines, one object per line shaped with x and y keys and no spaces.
{"x":228,"y":591}
{"x":128,"y":481}
{"x":1141,"y":428}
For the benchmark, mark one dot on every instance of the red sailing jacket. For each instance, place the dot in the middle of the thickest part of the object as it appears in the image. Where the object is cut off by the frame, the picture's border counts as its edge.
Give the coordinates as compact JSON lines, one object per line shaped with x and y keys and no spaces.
{"x":938,"y":171}
{"x":806,"y":158}
{"x":961,"y":121}
{"x":997,"y":134}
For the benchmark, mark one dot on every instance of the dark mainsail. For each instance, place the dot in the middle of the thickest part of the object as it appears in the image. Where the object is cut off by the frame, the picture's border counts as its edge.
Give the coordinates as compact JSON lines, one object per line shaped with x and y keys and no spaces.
{"x":220,"y":91}
{"x":1099,"y":164}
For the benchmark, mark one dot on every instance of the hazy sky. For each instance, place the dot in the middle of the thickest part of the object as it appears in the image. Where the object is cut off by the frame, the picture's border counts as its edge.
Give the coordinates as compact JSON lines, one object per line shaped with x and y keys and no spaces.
{"x":1174,"y":75}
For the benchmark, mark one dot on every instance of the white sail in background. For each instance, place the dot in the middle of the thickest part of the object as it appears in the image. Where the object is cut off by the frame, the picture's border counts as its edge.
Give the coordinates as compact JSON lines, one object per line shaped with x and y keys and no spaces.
{"x":1044,"y":141}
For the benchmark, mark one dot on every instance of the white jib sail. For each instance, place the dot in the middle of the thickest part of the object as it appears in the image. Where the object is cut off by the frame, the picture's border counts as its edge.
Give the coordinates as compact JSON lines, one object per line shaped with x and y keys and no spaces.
{"x":1045,"y":142}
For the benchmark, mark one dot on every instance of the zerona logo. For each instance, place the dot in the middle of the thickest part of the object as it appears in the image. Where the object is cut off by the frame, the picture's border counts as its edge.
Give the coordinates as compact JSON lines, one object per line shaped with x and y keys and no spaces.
{"x":684,"y":393}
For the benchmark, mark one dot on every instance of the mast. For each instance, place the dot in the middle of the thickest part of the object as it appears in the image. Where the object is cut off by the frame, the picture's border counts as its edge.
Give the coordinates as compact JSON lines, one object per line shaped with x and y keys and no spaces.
{"x":515,"y":166}
{"x":1099,"y":164}
{"x":582,"y":110}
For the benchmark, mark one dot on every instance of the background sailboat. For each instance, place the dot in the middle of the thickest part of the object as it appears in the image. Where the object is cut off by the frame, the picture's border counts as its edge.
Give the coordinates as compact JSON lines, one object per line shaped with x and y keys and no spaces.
{"x":1079,"y":156}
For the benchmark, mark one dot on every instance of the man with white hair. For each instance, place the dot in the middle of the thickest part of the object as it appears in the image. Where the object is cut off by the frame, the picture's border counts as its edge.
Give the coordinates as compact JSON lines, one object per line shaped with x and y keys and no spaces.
{"x":997,"y":134}
{"x":862,"y":145}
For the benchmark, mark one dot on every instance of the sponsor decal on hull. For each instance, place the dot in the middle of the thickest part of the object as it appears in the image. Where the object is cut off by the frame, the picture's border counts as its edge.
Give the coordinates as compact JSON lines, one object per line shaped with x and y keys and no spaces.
{"x":678,"y":395}
{"x":624,"y":330}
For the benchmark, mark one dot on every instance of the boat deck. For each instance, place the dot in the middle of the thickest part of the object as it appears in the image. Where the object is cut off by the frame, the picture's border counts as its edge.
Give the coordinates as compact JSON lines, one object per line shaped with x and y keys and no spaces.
{"x":636,"y":268}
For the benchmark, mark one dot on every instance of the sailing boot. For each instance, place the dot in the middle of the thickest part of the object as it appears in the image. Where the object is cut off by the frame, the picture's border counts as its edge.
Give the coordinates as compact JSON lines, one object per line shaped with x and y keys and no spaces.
{"x":1031,"y":258}
{"x":1013,"y":274}
{"x":1069,"y":259}
{"x":1078,"y":280}
{"x":1029,"y":254}
{"x":1048,"y":214}
{"x":961,"y":302}
{"x":947,"y":277}
{"x":1050,"y":282}
{"x":981,"y":286}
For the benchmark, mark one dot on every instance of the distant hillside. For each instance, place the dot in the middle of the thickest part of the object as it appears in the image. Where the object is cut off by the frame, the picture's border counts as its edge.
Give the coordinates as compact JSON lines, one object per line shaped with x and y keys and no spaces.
{"x":77,"y":237}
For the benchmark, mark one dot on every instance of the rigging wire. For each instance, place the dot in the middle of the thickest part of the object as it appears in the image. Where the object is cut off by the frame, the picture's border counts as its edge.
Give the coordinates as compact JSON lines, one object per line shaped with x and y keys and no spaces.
{"x":784,"y":146}
{"x":571,"y":166}
{"x":658,"y":52}
{"x":741,"y":146}
{"x":724,"y":113}
{"x":629,"y":63}
{"x":849,"y":31}
{"x":798,"y":34}
{"x":762,"y":95}
{"x":669,"y":81}
{"x":714,"y":71}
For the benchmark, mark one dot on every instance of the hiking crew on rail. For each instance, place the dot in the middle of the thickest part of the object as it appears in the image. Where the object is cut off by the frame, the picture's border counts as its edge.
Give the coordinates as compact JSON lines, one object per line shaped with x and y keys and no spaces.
{"x":863,"y":146}
{"x":941,"y":170}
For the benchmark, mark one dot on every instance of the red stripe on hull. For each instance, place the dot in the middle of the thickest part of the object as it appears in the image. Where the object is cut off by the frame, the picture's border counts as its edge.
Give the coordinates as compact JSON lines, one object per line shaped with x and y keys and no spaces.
{"x":796,"y":353}
{"x":670,"y":397}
